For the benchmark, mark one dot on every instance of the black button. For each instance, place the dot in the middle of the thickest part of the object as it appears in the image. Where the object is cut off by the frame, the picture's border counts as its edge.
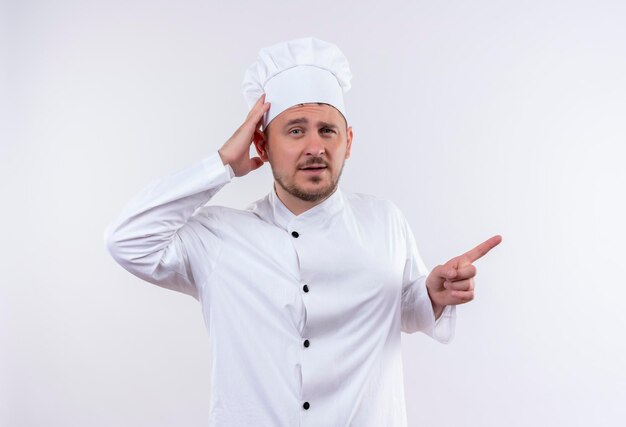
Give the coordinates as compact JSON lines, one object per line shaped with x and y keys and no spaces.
{"x":305,"y":288}
{"x":306,"y":405}
{"x":306,"y":343}
{"x":294,"y":234}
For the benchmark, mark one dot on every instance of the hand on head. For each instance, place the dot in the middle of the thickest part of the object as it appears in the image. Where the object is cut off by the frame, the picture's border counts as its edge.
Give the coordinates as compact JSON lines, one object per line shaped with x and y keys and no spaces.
{"x":236,"y":151}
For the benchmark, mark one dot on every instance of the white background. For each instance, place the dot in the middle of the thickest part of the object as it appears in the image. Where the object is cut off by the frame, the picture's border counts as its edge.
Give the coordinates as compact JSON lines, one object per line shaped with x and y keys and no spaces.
{"x":476,"y":117}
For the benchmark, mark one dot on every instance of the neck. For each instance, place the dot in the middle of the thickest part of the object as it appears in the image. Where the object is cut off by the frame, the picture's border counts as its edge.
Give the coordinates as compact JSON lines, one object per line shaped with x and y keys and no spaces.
{"x":295,"y":205}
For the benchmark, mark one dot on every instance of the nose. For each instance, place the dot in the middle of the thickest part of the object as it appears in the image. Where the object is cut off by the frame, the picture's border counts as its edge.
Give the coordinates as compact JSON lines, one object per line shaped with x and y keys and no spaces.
{"x":315,"y":145}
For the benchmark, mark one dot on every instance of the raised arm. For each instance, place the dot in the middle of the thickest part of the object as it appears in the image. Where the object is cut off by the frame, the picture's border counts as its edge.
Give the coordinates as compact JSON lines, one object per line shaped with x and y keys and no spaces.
{"x":157,"y":236}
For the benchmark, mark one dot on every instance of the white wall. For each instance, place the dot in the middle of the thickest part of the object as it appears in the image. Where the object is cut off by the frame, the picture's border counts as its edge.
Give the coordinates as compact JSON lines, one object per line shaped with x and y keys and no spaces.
{"x":476,"y":118}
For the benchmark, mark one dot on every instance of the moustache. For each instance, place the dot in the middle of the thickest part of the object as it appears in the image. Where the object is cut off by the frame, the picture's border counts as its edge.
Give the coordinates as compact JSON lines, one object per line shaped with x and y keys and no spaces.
{"x":314,"y":162}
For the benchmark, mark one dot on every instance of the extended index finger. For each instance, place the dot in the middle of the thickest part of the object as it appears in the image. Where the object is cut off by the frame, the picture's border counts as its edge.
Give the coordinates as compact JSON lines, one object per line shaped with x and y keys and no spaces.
{"x":482,"y":249}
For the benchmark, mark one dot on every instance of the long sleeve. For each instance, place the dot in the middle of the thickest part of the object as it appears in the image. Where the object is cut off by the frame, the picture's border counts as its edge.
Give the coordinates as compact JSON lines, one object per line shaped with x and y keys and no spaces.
{"x":154,"y":237}
{"x":417,"y":310}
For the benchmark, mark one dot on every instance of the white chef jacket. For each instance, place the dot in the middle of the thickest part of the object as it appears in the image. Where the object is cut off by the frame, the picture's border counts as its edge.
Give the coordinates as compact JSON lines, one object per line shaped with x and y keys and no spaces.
{"x":304,"y":311}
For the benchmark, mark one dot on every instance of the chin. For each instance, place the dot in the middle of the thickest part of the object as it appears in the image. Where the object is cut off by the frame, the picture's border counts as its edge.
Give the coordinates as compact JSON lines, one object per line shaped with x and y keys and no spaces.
{"x":314,"y":192}
{"x":319,"y":187}
{"x":308,"y":189}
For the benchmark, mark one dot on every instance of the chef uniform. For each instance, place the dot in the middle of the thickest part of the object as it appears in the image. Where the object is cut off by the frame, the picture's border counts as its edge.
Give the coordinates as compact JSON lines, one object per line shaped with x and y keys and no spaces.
{"x":305,"y":312}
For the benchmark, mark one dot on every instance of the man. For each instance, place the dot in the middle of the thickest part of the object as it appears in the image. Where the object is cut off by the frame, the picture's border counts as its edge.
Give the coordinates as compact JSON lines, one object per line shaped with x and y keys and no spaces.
{"x":304,"y":293}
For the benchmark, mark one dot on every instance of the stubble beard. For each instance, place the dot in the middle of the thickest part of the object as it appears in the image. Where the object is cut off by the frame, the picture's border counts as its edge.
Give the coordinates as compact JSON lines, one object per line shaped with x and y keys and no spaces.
{"x":309,"y":196}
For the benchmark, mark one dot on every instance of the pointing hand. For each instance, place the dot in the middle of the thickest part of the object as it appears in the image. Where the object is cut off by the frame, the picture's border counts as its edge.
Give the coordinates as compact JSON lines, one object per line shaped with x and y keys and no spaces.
{"x":453,"y":282}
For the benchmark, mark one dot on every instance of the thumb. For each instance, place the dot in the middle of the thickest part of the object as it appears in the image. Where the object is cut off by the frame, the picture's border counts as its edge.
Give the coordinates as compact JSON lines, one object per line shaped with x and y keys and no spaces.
{"x":439,"y":275}
{"x":445,"y":272}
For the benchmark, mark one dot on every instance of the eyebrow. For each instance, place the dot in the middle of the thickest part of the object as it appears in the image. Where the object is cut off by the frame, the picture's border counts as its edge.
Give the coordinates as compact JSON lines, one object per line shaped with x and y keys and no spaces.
{"x":304,"y":120}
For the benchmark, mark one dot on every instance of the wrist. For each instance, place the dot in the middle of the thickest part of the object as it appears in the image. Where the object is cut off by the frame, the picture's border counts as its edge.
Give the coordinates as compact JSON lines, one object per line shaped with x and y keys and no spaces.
{"x":437,"y":309}
{"x":224,"y":157}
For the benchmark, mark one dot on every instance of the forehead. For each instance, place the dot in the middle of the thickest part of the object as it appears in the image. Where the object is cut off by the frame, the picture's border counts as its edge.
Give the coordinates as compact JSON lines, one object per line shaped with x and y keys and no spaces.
{"x":320,"y":111}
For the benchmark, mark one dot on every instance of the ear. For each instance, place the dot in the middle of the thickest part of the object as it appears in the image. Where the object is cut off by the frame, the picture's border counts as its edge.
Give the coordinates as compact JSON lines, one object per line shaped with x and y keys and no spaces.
{"x":349,"y":144}
{"x":260,"y":144}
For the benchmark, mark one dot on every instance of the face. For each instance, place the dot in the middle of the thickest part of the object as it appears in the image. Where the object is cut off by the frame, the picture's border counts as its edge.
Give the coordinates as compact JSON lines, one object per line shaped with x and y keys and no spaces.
{"x":306,"y":146}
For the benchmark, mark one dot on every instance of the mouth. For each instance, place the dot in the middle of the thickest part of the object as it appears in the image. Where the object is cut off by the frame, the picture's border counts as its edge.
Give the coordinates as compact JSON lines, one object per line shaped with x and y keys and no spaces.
{"x":314,"y":169}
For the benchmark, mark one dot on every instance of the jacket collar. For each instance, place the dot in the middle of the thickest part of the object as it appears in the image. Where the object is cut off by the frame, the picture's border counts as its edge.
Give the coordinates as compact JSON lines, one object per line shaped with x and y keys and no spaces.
{"x":316,"y":215}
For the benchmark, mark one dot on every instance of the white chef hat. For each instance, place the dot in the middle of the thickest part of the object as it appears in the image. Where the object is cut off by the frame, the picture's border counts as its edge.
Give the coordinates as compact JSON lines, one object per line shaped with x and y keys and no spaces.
{"x":297,"y":72}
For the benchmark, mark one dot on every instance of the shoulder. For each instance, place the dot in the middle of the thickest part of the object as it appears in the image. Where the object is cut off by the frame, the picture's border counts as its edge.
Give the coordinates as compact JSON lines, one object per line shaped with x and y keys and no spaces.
{"x":375,"y":208}
{"x":372,"y":204}
{"x":222,"y":214}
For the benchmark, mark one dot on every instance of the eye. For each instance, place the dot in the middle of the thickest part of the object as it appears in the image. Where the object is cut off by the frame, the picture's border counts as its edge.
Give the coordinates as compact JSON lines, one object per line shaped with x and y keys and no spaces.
{"x":293,"y":130}
{"x":325,"y":129}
